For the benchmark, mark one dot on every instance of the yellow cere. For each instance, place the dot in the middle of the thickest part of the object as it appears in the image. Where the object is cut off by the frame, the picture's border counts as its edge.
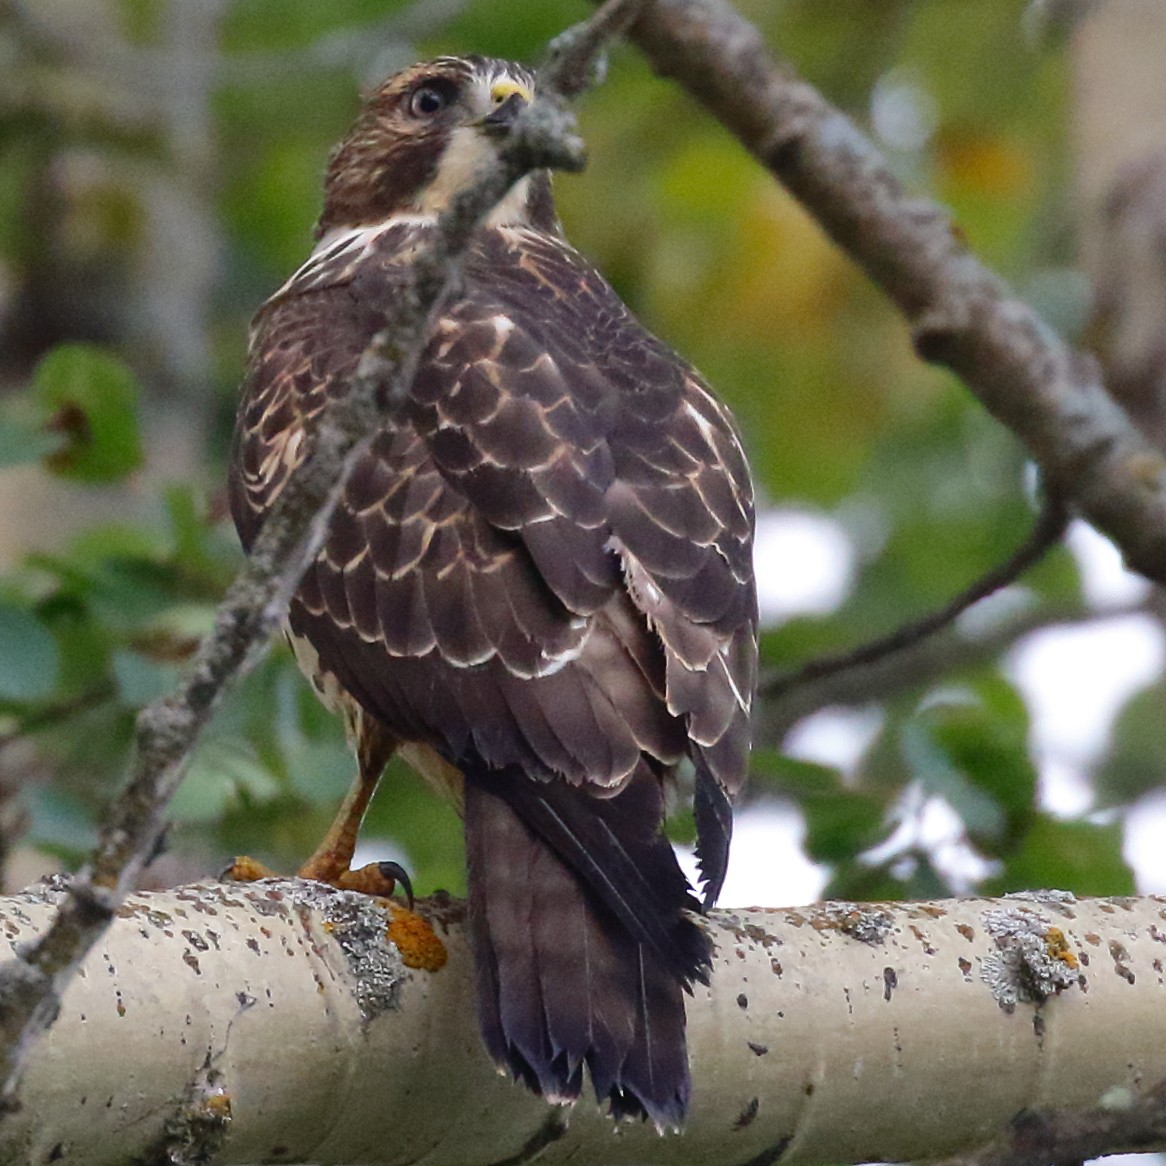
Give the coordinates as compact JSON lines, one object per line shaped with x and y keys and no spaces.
{"x":508,"y":87}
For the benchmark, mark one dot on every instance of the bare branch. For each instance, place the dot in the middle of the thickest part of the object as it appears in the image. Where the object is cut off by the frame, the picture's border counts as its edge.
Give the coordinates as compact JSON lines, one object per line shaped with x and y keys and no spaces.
{"x":961,"y":314}
{"x":928,"y":661}
{"x":1046,"y":533}
{"x":572,"y":57}
{"x":255,"y":604}
{"x":1124,"y":1122}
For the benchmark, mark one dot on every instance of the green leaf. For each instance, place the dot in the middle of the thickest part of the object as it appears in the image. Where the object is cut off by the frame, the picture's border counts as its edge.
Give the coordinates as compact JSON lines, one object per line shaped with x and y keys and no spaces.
{"x":222,"y":771}
{"x":1133,"y":766}
{"x":840,"y":822}
{"x":930,"y":763}
{"x":973,"y":752}
{"x":140,"y":680}
{"x":90,"y":398}
{"x":59,"y":822}
{"x":29,"y":662}
{"x":1069,"y":856}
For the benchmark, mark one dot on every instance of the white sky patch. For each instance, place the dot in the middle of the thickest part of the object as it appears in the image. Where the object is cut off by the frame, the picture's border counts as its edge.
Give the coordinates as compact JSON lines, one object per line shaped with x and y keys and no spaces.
{"x":1075,"y":680}
{"x":375,"y":849}
{"x":1104,"y":578}
{"x":930,"y":824}
{"x":804,"y":564}
{"x":903,"y":113}
{"x":834,"y":736}
{"x":994,"y":610}
{"x":1145,"y":827}
{"x":1132,"y":1160}
{"x":767,"y":867}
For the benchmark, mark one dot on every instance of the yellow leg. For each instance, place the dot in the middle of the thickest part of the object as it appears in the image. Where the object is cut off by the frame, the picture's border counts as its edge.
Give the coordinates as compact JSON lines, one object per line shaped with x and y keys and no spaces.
{"x":331,"y":861}
{"x":332,"y":857}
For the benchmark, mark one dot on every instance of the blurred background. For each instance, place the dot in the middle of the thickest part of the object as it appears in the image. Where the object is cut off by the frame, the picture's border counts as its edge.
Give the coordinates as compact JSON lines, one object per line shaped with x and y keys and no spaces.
{"x":160,"y":168}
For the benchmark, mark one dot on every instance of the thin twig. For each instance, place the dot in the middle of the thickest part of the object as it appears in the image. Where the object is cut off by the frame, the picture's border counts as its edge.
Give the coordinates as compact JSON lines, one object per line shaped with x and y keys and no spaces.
{"x":572,"y":58}
{"x":255,"y":604}
{"x":916,"y":668}
{"x":962,"y":315}
{"x":1046,"y":533}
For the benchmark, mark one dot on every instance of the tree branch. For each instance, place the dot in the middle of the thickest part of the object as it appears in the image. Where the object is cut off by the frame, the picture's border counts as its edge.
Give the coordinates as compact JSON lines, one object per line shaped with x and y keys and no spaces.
{"x":255,"y":604}
{"x":1046,"y":533}
{"x":1123,"y":1121}
{"x":961,"y":315}
{"x":918,"y":666}
{"x":274,"y":1022}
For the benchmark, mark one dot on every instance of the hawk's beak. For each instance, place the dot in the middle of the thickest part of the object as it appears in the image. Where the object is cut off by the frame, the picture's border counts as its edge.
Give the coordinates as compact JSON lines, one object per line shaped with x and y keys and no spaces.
{"x":509,"y":98}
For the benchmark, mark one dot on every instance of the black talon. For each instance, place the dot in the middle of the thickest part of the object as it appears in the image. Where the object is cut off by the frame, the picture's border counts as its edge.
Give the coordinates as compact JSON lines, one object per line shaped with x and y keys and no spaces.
{"x":396,"y":872}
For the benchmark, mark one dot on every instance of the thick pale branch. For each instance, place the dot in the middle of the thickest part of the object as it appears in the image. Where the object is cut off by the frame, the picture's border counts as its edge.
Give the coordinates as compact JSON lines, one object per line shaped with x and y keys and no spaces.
{"x":274,"y":1022}
{"x":254,"y":607}
{"x":961,"y":314}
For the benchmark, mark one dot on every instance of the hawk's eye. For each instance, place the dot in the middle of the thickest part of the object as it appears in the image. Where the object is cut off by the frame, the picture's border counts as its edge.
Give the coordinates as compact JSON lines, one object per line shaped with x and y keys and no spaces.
{"x":426,"y":100}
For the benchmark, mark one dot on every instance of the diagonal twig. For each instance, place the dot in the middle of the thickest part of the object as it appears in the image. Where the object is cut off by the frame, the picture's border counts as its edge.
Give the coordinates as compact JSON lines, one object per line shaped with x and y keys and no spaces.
{"x":167,"y":730}
{"x":1046,"y":533}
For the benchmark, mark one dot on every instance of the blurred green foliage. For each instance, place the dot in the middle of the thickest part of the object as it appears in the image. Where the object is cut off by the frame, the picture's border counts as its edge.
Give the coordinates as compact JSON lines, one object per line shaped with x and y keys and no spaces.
{"x":838,"y":414}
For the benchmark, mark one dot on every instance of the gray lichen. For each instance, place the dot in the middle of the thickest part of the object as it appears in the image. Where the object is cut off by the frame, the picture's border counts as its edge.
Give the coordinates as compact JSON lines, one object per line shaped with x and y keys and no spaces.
{"x":1032,"y":961}
{"x":359,"y":926}
{"x":861,"y":921}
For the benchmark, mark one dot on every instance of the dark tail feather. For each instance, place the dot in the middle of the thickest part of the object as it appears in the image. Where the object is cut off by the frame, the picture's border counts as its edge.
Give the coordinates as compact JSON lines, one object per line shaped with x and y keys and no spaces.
{"x":562,"y":980}
{"x":617,"y":846}
{"x":714,"y":830}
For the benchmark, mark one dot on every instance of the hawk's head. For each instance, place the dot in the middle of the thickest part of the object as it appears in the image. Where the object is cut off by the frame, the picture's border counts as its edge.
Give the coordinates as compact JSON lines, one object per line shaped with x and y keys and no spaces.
{"x":420,"y":137}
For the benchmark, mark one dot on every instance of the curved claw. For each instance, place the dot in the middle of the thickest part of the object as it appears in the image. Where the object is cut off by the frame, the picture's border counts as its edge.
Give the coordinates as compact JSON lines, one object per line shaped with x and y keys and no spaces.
{"x":395,"y":872}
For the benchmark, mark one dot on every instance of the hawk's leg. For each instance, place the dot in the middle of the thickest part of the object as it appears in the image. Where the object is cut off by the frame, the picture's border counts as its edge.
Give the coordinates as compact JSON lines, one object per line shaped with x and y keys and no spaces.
{"x":331,"y":861}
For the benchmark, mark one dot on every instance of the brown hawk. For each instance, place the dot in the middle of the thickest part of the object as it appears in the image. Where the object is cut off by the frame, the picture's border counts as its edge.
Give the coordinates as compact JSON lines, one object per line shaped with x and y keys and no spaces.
{"x":537,"y":586}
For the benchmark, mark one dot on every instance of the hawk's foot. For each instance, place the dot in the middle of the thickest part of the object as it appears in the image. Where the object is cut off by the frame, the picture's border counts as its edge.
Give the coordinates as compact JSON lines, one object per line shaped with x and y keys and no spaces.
{"x":379,"y":879}
{"x":374,"y":878}
{"x":246,"y":869}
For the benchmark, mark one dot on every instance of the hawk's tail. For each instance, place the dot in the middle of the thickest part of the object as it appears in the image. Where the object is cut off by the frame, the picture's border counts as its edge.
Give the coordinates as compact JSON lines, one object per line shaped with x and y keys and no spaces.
{"x":581,"y":940}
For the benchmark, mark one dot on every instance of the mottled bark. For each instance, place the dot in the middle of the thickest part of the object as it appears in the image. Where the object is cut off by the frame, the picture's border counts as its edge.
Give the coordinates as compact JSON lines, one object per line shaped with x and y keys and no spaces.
{"x":274,"y":1022}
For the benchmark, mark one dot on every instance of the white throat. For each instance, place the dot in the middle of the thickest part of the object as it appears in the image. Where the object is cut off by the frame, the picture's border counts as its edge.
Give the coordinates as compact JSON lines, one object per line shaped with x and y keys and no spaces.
{"x":464,"y":157}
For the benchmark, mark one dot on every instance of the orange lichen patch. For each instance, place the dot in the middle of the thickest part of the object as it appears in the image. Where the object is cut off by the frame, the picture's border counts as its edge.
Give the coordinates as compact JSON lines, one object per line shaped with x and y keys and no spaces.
{"x":246,"y":869}
{"x":1058,"y":947}
{"x":218,"y":1106}
{"x":415,"y":939}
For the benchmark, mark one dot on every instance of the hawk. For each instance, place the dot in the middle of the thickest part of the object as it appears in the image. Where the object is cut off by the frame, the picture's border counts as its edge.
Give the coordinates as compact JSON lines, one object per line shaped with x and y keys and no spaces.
{"x":537,"y":587}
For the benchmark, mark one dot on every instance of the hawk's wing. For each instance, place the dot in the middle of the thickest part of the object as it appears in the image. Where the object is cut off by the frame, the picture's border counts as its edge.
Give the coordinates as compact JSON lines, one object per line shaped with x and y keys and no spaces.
{"x":554,"y":542}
